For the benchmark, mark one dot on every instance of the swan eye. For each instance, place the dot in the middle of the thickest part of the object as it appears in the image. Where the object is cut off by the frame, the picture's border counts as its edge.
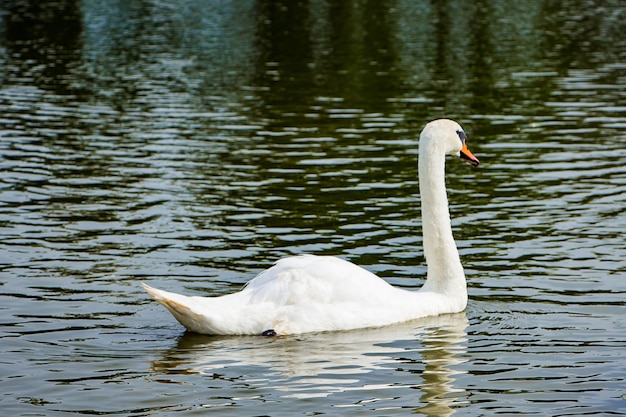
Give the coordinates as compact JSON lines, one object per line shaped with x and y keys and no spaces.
{"x":461,"y":135}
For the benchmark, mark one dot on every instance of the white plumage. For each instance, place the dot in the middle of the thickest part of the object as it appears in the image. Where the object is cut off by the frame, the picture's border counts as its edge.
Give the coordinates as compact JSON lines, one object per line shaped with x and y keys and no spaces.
{"x":310,"y":293}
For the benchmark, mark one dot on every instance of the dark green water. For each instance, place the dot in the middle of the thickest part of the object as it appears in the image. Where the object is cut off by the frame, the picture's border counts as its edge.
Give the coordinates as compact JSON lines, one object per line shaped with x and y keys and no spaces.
{"x":190,"y":144}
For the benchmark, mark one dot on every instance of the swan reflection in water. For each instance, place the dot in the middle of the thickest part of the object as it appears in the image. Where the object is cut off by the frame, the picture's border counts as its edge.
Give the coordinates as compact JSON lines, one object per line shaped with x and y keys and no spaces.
{"x":418,"y":355}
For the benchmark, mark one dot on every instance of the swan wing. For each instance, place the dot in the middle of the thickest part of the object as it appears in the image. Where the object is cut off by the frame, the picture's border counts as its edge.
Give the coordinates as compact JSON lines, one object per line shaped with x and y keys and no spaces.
{"x":298,"y":294}
{"x":309,"y":279}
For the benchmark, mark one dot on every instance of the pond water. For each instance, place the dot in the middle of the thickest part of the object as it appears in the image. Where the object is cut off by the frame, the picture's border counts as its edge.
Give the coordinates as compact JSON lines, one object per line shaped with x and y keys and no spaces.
{"x":190,"y":144}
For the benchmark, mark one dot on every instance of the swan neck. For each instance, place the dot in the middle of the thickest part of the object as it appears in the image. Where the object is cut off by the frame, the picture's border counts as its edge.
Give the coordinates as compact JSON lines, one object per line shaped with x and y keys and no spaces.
{"x":445,"y":272}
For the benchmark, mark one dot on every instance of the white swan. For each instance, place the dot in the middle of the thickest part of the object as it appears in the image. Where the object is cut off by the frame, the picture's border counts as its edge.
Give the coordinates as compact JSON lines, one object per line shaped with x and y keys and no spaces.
{"x":309,"y":293}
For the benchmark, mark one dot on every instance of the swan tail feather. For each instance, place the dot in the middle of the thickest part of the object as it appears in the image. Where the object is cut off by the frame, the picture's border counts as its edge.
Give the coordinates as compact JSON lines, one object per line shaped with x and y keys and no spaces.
{"x":181,"y":308}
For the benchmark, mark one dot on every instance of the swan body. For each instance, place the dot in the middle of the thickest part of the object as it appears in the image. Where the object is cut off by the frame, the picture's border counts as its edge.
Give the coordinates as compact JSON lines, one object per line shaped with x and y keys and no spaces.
{"x":309,"y":293}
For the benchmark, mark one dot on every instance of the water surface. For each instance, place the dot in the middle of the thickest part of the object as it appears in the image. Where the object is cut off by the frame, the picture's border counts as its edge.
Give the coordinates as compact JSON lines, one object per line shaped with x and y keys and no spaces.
{"x":190,"y":145}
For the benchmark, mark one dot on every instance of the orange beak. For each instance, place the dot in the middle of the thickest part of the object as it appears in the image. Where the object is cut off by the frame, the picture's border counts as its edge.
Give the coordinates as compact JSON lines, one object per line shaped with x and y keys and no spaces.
{"x":468,"y":155}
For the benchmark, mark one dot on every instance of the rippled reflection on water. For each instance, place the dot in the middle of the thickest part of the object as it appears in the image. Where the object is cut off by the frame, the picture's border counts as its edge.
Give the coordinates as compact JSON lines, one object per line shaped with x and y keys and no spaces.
{"x":189,"y":146}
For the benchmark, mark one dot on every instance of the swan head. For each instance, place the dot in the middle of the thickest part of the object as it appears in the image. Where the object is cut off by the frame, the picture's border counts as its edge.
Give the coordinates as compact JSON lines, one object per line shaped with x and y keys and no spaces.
{"x":449,"y":135}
